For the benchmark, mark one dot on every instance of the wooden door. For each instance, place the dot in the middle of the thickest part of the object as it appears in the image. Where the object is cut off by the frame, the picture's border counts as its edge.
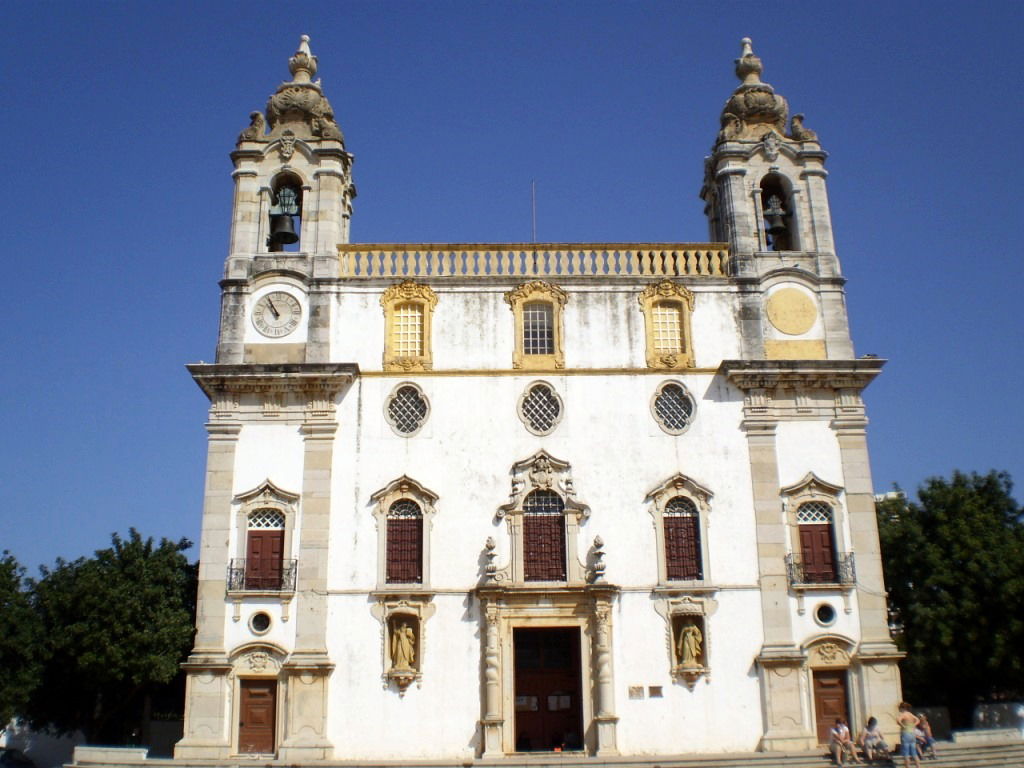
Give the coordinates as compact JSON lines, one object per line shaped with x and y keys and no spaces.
{"x":829,"y":701}
{"x":548,"y":694}
{"x":263,"y":559}
{"x":817,"y":549}
{"x":257,"y":715}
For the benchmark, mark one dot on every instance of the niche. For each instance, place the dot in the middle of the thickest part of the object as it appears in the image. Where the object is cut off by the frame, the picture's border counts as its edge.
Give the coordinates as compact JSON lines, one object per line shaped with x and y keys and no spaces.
{"x":285,"y":213}
{"x":776,"y":207}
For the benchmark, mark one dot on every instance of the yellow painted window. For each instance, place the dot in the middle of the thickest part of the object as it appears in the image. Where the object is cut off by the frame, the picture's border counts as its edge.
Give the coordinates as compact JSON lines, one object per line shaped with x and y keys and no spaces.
{"x":668,"y":327}
{"x":408,"y":330}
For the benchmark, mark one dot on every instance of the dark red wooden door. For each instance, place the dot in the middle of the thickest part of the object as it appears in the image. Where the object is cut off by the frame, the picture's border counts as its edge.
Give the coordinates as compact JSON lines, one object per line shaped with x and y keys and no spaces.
{"x":264,"y":559}
{"x":829,"y":701}
{"x":549,"y":712}
{"x":257,"y":712}
{"x":817,"y":549}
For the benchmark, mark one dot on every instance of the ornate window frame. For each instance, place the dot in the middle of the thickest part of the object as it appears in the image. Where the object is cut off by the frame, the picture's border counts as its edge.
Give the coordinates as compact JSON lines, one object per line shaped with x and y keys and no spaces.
{"x":257,"y":659}
{"x":654,"y":407}
{"x":542,"y":471}
{"x":681,"y":613}
{"x":407,"y":292}
{"x":402,"y":488}
{"x":526,"y":421}
{"x":394,"y":394}
{"x":538,"y":291}
{"x":657,"y":500}
{"x":813,"y":489}
{"x":671,"y":292}
{"x":264,"y":496}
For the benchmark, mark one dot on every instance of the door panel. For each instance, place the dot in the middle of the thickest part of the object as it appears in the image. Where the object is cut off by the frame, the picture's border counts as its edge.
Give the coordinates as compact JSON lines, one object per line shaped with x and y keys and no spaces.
{"x":817,"y":550}
{"x":257,"y":712}
{"x":548,"y":703}
{"x":829,"y":701}
{"x":264,"y":559}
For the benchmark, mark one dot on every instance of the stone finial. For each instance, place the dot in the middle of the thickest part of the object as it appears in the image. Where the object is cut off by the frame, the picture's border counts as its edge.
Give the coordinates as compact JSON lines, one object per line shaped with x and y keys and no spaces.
{"x":748,"y":66}
{"x":303,"y":64}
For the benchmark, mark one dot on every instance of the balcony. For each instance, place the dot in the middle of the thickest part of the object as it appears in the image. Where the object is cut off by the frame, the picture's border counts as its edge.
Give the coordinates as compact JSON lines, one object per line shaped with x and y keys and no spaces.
{"x":261,"y":579}
{"x":842,"y":573}
{"x":534,"y":260}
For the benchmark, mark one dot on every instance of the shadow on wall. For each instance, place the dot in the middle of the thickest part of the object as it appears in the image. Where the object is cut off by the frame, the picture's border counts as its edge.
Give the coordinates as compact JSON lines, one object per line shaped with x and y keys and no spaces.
{"x":45,"y":751}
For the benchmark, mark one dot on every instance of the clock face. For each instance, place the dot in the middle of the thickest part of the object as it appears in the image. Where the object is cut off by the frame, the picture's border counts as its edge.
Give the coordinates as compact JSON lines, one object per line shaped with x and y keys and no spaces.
{"x":276,"y":314}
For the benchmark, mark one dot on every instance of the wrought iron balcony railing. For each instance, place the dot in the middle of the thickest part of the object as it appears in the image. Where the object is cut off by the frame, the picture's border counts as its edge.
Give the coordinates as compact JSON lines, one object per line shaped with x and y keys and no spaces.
{"x":255,"y":576}
{"x":841,"y":572}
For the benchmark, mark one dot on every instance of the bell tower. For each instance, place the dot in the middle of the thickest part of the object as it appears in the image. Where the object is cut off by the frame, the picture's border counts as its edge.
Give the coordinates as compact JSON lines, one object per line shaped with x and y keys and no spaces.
{"x":765,"y":194}
{"x":292,"y":207}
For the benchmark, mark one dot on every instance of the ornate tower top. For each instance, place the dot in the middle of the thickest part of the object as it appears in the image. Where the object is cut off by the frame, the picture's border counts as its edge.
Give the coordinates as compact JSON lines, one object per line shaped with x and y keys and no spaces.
{"x":754,"y":108}
{"x":298,"y":106}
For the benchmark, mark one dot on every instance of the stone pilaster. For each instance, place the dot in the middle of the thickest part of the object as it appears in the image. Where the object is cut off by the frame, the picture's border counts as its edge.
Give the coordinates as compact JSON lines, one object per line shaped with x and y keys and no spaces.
{"x":492,"y":720}
{"x":207,"y":730}
{"x":605,"y":690}
{"x":230,"y":340}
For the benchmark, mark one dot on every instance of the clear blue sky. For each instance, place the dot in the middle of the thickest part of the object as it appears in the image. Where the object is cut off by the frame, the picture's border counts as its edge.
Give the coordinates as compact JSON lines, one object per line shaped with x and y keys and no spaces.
{"x":119,"y":117}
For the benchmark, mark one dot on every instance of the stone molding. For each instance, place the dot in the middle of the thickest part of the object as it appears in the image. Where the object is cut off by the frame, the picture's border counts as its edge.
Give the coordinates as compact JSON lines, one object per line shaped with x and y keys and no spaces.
{"x":675,"y":293}
{"x":411,"y":610}
{"x":403,"y":487}
{"x":657,"y":499}
{"x":422,"y":296}
{"x":555,"y":297}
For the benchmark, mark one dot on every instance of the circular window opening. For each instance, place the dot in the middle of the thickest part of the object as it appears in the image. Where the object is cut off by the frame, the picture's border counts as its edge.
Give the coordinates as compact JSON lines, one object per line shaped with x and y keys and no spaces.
{"x":673,"y":408}
{"x":407,"y":409}
{"x":259,"y":623}
{"x":825,"y":614}
{"x":540,"y":408}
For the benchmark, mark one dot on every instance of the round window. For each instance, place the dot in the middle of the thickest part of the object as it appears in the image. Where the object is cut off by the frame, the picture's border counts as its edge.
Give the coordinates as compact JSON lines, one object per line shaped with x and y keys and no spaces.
{"x":406,"y":409}
{"x":825,"y":614}
{"x":259,"y":623}
{"x":673,"y":407}
{"x":540,"y":408}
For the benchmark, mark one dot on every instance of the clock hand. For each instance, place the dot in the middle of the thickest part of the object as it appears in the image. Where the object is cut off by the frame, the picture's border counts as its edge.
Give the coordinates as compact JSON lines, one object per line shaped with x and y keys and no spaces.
{"x":273,"y":308}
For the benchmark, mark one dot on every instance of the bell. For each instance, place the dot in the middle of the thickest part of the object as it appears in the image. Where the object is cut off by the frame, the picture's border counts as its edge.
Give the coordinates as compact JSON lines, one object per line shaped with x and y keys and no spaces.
{"x":282,"y":230}
{"x":774,"y":217}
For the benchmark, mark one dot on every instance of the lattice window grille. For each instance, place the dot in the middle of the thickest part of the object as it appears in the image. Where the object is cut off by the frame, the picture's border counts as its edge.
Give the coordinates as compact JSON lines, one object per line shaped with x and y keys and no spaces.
{"x":538,"y":329}
{"x":814,"y":512}
{"x":543,"y":502}
{"x":543,"y":537}
{"x":673,"y":407}
{"x":541,"y":408}
{"x":680,"y":506}
{"x":403,"y":509}
{"x":266,"y":519}
{"x":407,"y":409}
{"x":668,"y":327}
{"x":408,"y":330}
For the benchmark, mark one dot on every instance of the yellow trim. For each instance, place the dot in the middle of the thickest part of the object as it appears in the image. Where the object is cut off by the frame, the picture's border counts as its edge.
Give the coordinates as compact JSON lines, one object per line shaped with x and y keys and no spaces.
{"x":784,"y":349}
{"x":538,"y":291}
{"x":407,"y":292}
{"x":671,"y":293}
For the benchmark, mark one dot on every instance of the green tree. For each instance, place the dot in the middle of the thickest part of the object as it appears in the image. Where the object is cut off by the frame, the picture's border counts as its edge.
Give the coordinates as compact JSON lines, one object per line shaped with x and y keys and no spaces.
{"x":19,"y":640}
{"x":954,"y":568}
{"x":117,"y":626}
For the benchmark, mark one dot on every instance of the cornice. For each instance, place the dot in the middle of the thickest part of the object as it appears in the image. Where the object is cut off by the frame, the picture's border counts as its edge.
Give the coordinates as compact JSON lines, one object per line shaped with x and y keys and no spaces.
{"x":807,"y":374}
{"x":325,"y":378}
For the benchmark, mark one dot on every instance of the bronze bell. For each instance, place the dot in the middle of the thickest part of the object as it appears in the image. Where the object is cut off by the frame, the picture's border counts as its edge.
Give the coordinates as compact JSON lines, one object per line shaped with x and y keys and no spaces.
{"x":774,"y":217}
{"x":282,"y":230}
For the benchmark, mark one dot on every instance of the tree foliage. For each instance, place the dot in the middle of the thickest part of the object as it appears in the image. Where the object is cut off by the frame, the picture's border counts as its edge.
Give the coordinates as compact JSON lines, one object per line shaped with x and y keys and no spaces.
{"x":116,"y":627}
{"x":954,"y":568}
{"x":19,"y":640}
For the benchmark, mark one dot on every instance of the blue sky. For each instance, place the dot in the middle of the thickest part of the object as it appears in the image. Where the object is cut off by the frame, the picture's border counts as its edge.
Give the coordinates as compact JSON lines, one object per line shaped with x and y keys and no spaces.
{"x":119,"y":118}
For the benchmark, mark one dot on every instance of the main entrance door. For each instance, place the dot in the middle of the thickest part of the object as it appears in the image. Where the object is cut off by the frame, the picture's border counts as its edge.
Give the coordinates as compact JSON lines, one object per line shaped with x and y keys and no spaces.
{"x":549,"y":712}
{"x":256,"y":716}
{"x":829,"y":701}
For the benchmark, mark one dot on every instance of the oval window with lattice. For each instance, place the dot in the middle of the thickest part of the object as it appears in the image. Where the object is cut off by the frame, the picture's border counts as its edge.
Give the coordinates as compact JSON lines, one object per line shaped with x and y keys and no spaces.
{"x":540,"y":408}
{"x":407,"y":409}
{"x":673,"y":407}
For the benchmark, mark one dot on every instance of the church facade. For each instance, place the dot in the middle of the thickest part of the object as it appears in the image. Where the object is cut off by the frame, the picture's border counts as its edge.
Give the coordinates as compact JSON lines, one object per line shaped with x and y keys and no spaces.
{"x":476,"y":500}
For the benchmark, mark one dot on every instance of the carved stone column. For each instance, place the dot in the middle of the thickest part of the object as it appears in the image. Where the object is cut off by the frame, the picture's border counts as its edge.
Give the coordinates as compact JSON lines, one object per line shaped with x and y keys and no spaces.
{"x":605,"y":690}
{"x":492,"y":720}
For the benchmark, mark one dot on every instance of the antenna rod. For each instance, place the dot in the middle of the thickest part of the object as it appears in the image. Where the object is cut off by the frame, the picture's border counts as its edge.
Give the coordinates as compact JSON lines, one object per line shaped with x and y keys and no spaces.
{"x":533,"y":206}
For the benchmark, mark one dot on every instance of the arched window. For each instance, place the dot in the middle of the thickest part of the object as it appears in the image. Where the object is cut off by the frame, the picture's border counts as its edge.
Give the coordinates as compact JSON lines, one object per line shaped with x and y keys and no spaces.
{"x":683,"y":560}
{"x":264,"y":555}
{"x":817,"y":542}
{"x":776,"y":208}
{"x":543,"y":536}
{"x":403,"y":510}
{"x":405,"y":543}
{"x":285,"y":224}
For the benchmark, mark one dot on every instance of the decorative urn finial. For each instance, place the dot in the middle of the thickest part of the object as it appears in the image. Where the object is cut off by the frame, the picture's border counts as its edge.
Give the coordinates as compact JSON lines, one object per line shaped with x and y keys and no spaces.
{"x":303,"y":64}
{"x":748,"y":66}
{"x":754,"y":107}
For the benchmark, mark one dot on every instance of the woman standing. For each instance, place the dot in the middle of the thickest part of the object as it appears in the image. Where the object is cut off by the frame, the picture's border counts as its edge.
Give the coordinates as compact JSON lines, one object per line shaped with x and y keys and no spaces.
{"x":908,"y":739}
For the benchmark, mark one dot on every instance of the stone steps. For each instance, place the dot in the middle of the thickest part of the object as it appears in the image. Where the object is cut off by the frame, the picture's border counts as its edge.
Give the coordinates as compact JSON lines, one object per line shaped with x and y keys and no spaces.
{"x":948,"y":755}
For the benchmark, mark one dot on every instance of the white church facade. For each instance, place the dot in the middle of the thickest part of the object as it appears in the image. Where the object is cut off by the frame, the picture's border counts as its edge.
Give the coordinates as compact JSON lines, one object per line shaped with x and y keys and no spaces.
{"x":473,"y":501}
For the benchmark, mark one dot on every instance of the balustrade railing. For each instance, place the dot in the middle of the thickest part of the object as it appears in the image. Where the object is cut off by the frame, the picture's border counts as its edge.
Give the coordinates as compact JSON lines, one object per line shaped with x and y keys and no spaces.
{"x":258,"y":576}
{"x":842,"y":571}
{"x":542,"y":260}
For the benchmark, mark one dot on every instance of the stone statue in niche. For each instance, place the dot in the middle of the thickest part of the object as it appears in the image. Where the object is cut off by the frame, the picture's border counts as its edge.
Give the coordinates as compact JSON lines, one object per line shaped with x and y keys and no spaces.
{"x":688,"y":647}
{"x":403,"y":646}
